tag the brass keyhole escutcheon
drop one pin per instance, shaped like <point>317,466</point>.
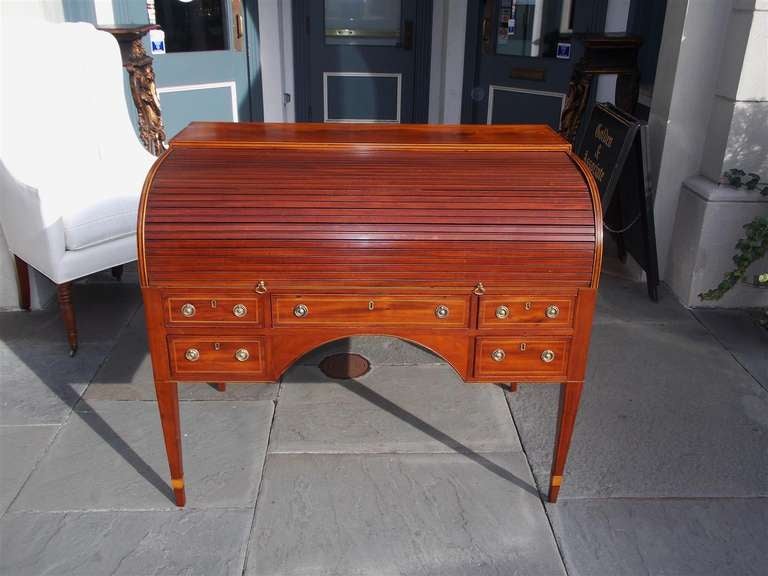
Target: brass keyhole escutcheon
<point>502,312</point>
<point>552,311</point>
<point>239,310</point>
<point>523,346</point>
<point>370,305</point>
<point>498,355</point>
<point>192,354</point>
<point>214,303</point>
<point>442,311</point>
<point>188,310</point>
<point>300,311</point>
<point>547,356</point>
<point>241,354</point>
<point>217,346</point>
<point>528,305</point>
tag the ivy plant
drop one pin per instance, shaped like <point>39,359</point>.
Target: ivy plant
<point>750,248</point>
<point>747,180</point>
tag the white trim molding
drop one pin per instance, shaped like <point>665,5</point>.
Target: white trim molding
<point>326,75</point>
<point>493,87</point>
<point>208,86</point>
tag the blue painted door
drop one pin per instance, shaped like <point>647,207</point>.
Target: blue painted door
<point>362,60</point>
<point>522,57</point>
<point>204,72</point>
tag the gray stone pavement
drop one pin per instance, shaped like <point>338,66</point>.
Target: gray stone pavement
<point>403,471</point>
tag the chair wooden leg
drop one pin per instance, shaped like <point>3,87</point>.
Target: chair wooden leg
<point>220,386</point>
<point>117,272</point>
<point>22,277</point>
<point>67,311</point>
<point>570,392</point>
<point>168,404</point>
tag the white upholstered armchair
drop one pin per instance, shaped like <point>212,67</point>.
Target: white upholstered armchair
<point>71,165</point>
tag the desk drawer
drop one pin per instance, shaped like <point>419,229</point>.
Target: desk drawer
<point>197,309</point>
<point>501,311</point>
<point>373,310</point>
<point>517,358</point>
<point>192,355</point>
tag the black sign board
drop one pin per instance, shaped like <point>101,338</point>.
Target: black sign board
<point>615,148</point>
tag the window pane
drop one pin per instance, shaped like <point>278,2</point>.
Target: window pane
<point>364,22</point>
<point>192,25</point>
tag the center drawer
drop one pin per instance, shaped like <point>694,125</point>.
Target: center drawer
<point>342,310</point>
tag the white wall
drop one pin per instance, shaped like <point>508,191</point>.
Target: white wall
<point>276,49</point>
<point>686,76</point>
<point>446,73</point>
<point>16,13</point>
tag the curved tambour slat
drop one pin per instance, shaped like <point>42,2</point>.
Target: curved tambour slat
<point>374,207</point>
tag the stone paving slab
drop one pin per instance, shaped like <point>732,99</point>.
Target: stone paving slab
<point>20,449</point>
<point>699,537</point>
<point>415,514</point>
<point>146,543</point>
<point>113,457</point>
<point>379,350</point>
<point>622,300</point>
<point>101,311</point>
<point>127,374</point>
<point>40,382</point>
<point>738,332</point>
<point>424,408</point>
<point>665,412</point>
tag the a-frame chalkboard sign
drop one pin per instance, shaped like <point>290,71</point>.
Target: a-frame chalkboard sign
<point>615,148</point>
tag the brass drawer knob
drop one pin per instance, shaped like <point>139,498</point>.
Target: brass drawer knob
<point>241,354</point>
<point>188,310</point>
<point>441,311</point>
<point>192,354</point>
<point>502,312</point>
<point>239,310</point>
<point>498,355</point>
<point>300,311</point>
<point>547,356</point>
<point>552,311</point>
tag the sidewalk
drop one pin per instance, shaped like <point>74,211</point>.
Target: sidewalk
<point>404,471</point>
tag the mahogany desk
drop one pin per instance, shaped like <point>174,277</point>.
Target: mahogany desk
<point>260,242</point>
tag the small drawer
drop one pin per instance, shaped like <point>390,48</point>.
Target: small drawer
<point>212,310</point>
<point>373,310</point>
<point>190,356</point>
<point>498,311</point>
<point>518,358</point>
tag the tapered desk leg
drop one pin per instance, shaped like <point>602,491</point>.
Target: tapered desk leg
<point>168,403</point>
<point>570,392</point>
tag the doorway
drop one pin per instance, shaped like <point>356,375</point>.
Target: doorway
<point>520,56</point>
<point>362,60</point>
<point>209,69</point>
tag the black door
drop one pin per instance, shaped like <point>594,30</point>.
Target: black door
<point>362,60</point>
<point>520,56</point>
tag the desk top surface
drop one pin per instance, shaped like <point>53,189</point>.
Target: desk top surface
<point>308,135</point>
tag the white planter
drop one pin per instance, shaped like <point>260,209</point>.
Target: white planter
<point>709,221</point>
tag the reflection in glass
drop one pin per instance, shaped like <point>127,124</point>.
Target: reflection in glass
<point>363,22</point>
<point>531,27</point>
<point>191,25</point>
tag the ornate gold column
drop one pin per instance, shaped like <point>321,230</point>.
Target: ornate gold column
<point>141,76</point>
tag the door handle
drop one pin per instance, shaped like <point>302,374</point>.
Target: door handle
<point>487,26</point>
<point>237,17</point>
<point>408,35</point>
